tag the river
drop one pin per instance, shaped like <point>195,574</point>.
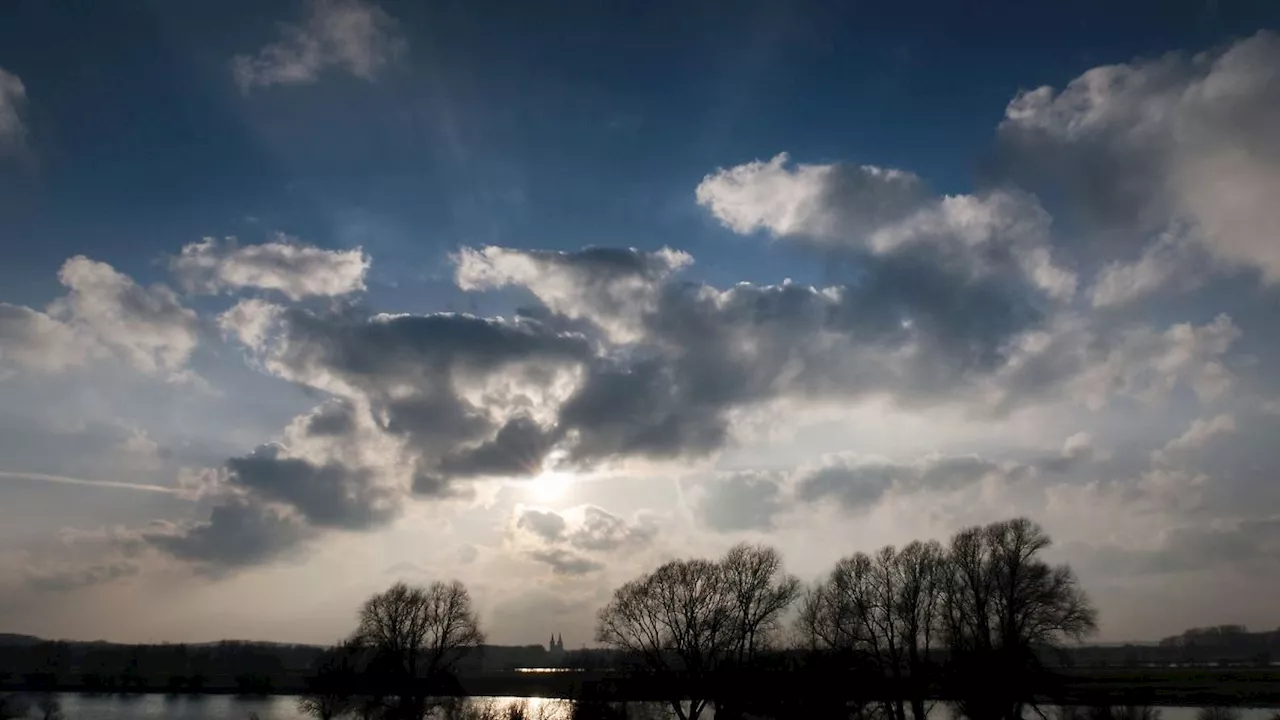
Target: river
<point>284,707</point>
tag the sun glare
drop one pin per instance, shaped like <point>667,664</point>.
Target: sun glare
<point>551,484</point>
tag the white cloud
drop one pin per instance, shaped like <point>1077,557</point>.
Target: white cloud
<point>1093,365</point>
<point>614,289</point>
<point>293,269</point>
<point>1201,431</point>
<point>1177,139</point>
<point>889,214</point>
<point>1171,262</point>
<point>796,201</point>
<point>148,327</point>
<point>34,341</point>
<point>354,35</point>
<point>13,96</point>
<point>104,313</point>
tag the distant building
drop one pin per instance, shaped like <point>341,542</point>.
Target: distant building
<point>555,650</point>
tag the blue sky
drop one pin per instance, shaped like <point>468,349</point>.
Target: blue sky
<point>999,273</point>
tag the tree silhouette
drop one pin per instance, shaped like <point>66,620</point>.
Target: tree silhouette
<point>689,619</point>
<point>881,613</point>
<point>1001,603</point>
<point>416,637</point>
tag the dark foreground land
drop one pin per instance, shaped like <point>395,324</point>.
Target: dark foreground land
<point>1253,687</point>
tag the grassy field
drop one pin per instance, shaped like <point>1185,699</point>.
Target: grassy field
<point>1176,686</point>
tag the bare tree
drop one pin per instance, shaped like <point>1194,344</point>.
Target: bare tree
<point>417,634</point>
<point>759,592</point>
<point>1001,604</point>
<point>689,619</point>
<point>880,613</point>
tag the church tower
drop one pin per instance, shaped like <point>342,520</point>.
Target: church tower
<point>555,650</point>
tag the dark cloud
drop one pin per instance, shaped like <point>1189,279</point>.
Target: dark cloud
<point>238,532</point>
<point>420,376</point>
<point>566,562</point>
<point>335,418</point>
<point>548,525</point>
<point>516,450</point>
<point>1250,546</point>
<point>854,486</point>
<point>742,501</point>
<point>328,495</point>
<point>858,483</point>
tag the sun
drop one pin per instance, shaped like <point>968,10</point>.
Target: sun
<point>550,484</point>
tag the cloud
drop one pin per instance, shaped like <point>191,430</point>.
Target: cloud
<point>327,495</point>
<point>238,532</point>
<point>462,396</point>
<point>1156,143</point>
<point>577,541</point>
<point>612,288</point>
<point>352,35</point>
<point>34,341</point>
<point>295,270</point>
<point>829,202</point>
<point>1093,363</point>
<point>104,313</point>
<point>1201,431</point>
<point>974,240</point>
<point>858,483</point>
<point>1172,262</point>
<point>67,580</point>
<point>13,98</point>
<point>739,501</point>
<point>147,326</point>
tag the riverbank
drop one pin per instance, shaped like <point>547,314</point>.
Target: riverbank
<point>1253,687</point>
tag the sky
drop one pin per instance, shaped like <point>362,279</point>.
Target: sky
<point>301,299</point>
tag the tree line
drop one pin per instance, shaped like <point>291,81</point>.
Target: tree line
<point>888,631</point>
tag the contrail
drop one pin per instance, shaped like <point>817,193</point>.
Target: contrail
<point>64,480</point>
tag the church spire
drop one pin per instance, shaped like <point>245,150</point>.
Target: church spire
<point>560,641</point>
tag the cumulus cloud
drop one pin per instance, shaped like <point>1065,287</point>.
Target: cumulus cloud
<point>352,35</point>
<point>455,395</point>
<point>327,495</point>
<point>34,341</point>
<point>13,98</point>
<point>149,327</point>
<point>104,313</point>
<point>830,202</point>
<point>613,288</point>
<point>286,266</point>
<point>576,541</point>
<point>975,240</point>
<point>1095,364</point>
<point>1155,143</point>
<point>1172,262</point>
